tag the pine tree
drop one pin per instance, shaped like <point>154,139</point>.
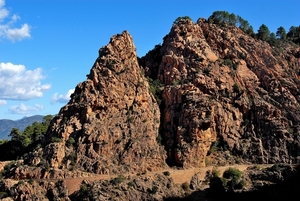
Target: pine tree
<point>263,33</point>
<point>281,33</point>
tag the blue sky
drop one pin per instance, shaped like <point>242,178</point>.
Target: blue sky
<point>48,46</point>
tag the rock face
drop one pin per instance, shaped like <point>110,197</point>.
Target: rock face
<point>33,190</point>
<point>216,96</point>
<point>226,98</point>
<point>112,117</point>
<point>228,91</point>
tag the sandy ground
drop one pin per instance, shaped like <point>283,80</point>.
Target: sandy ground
<point>178,176</point>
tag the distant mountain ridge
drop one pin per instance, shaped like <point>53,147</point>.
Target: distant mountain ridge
<point>6,124</point>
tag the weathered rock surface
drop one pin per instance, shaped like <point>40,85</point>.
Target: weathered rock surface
<point>112,116</point>
<point>222,91</point>
<point>224,87</point>
<point>34,190</point>
<point>226,98</point>
<point>156,187</point>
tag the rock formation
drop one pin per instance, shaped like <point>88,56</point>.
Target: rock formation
<point>221,90</point>
<point>224,87</point>
<point>33,190</point>
<point>112,117</point>
<point>214,95</point>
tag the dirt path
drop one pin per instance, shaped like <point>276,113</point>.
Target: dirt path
<point>178,176</point>
<point>73,184</point>
<point>181,176</point>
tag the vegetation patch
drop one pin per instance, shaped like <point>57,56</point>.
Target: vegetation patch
<point>56,139</point>
<point>230,180</point>
<point>185,186</point>
<point>3,194</point>
<point>179,20</point>
<point>156,88</point>
<point>118,180</point>
<point>166,173</point>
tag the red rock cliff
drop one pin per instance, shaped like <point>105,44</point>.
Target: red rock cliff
<point>227,98</point>
<point>112,116</point>
<point>226,91</point>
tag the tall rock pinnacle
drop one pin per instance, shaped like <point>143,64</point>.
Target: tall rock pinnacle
<point>112,117</point>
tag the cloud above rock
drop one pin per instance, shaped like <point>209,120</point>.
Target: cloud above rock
<point>62,98</point>
<point>18,83</point>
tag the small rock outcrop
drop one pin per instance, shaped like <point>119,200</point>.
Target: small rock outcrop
<point>33,190</point>
<point>111,122</point>
<point>156,187</point>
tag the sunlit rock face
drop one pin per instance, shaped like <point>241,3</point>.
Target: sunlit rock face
<point>112,116</point>
<point>226,91</point>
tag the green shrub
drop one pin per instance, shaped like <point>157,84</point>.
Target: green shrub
<point>175,82</point>
<point>228,62</point>
<point>215,172</point>
<point>72,157</point>
<point>131,183</point>
<point>118,180</point>
<point>232,173</point>
<point>233,176</point>
<point>185,186</point>
<point>3,194</point>
<point>31,181</point>
<point>182,19</point>
<point>43,163</point>
<point>9,166</point>
<point>156,88</point>
<point>70,142</point>
<point>207,162</point>
<point>214,147</point>
<point>56,139</point>
<point>166,173</point>
<point>236,88</point>
<point>154,189</point>
<point>83,189</point>
<point>130,119</point>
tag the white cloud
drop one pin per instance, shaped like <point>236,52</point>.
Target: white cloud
<point>17,83</point>
<point>3,102</point>
<point>2,2</point>
<point>63,98</point>
<point>3,12</point>
<point>7,28</point>
<point>25,109</point>
<point>18,34</point>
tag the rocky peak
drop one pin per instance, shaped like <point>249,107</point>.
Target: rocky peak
<point>226,98</point>
<point>225,90</point>
<point>112,118</point>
